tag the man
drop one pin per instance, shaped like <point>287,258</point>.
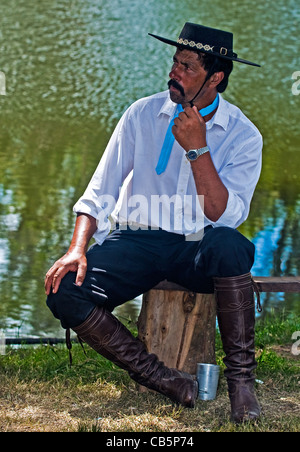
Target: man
<point>168,152</point>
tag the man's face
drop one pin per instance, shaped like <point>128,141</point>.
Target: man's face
<point>187,75</point>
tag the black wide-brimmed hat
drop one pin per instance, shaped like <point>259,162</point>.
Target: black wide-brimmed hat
<point>208,40</point>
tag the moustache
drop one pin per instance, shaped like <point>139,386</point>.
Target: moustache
<point>176,85</point>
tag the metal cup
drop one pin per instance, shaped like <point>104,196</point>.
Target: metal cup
<point>208,379</point>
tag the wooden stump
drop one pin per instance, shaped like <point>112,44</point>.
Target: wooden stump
<point>179,327</point>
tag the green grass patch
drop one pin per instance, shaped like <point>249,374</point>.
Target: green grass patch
<point>40,391</point>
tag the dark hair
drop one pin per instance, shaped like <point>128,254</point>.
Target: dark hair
<point>215,64</point>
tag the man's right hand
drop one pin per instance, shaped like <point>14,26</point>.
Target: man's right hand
<point>72,261</point>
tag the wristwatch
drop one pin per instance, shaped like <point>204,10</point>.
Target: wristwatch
<point>193,154</point>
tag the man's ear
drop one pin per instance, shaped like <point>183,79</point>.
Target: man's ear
<point>215,79</point>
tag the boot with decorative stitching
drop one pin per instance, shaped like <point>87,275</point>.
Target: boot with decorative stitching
<point>110,338</point>
<point>236,318</point>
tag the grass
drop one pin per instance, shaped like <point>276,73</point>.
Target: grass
<point>39,392</point>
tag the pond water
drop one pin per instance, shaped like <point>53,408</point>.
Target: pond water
<point>70,68</point>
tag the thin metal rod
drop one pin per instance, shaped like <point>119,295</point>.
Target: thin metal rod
<point>35,340</point>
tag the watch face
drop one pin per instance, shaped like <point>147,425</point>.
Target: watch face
<point>192,155</point>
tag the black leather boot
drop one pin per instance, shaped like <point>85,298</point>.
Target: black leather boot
<point>236,317</point>
<point>110,338</point>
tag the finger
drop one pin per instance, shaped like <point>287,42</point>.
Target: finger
<point>191,112</point>
<point>81,272</point>
<point>49,278</point>
<point>183,115</point>
<point>176,121</point>
<point>188,111</point>
<point>196,112</point>
<point>180,119</point>
<point>48,283</point>
<point>48,287</point>
<point>58,276</point>
<point>174,130</point>
<point>56,283</point>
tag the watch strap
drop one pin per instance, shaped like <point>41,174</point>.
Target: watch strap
<point>199,152</point>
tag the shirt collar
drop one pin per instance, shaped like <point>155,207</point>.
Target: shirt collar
<point>168,106</point>
<point>221,117</point>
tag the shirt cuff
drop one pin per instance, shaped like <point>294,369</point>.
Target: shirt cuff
<point>234,214</point>
<point>90,209</point>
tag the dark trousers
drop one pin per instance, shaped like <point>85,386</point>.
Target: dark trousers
<point>130,263</point>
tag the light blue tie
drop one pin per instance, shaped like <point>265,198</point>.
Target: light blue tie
<point>169,138</point>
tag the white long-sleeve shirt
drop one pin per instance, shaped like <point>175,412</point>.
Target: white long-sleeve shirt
<point>126,186</point>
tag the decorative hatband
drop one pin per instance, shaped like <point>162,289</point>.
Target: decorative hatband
<point>206,47</point>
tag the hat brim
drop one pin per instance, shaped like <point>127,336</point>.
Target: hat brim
<point>176,44</point>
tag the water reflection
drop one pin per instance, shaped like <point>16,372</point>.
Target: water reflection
<point>71,68</point>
